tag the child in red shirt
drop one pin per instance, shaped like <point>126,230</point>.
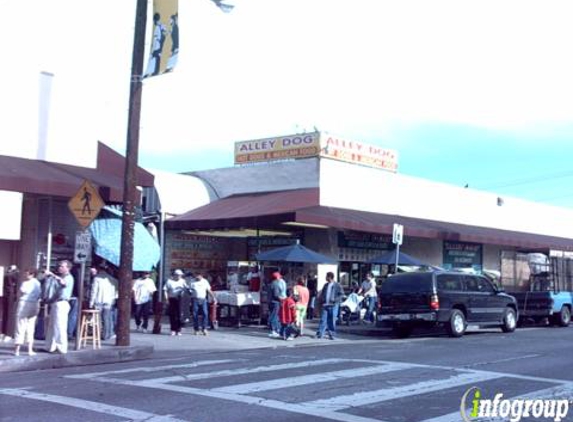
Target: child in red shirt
<point>287,316</point>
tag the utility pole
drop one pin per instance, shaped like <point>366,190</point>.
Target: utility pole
<point>130,179</point>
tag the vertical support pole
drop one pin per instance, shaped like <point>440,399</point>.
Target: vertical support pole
<point>130,179</point>
<point>80,301</point>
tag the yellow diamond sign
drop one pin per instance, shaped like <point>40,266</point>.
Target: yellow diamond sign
<point>86,204</point>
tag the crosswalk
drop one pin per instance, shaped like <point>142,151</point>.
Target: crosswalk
<point>324,388</point>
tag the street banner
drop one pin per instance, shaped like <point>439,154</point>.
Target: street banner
<point>164,45</point>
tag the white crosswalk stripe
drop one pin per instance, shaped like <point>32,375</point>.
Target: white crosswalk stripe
<point>310,379</point>
<point>321,375</point>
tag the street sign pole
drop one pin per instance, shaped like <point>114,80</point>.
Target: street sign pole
<point>397,236</point>
<point>81,252</point>
<point>80,297</point>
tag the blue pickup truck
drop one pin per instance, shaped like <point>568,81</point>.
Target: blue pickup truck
<point>546,294</point>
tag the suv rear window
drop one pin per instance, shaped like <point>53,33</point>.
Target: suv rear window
<point>403,283</point>
<point>449,282</point>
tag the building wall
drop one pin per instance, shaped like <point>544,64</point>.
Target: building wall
<point>357,187</point>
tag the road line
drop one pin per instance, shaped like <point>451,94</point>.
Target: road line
<point>279,383</point>
<point>376,396</point>
<point>151,369</point>
<point>130,414</point>
<point>564,391</point>
<point>252,400</point>
<point>242,371</point>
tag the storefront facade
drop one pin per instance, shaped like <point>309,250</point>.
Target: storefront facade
<point>346,210</point>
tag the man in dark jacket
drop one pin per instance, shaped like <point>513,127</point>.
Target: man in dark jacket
<point>330,298</point>
<point>277,293</point>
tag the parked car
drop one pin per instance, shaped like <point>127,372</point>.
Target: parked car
<point>448,299</point>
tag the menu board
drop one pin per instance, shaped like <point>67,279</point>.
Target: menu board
<point>192,252</point>
<point>462,255</point>
<point>360,240</point>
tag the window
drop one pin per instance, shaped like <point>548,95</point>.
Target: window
<point>448,282</point>
<point>478,284</point>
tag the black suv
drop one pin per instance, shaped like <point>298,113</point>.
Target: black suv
<point>449,299</point>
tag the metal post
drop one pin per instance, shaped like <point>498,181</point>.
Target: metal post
<point>130,179</point>
<point>397,258</point>
<point>80,301</point>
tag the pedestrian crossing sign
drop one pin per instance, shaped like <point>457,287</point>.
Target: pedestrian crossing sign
<point>86,204</point>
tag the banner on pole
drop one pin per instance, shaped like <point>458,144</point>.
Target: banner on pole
<point>164,47</point>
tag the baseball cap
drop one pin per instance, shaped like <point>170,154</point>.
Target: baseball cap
<point>277,275</point>
<point>178,272</point>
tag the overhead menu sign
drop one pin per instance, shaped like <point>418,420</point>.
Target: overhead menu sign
<point>278,148</point>
<point>315,144</point>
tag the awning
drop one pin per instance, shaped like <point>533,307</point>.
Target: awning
<point>106,231</point>
<point>302,206</point>
<point>48,178</point>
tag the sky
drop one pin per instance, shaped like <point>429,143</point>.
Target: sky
<point>468,93</point>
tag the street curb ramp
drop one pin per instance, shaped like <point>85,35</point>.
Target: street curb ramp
<point>84,357</point>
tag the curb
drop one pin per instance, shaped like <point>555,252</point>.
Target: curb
<point>113,354</point>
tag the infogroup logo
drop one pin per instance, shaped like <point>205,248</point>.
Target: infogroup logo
<point>474,407</point>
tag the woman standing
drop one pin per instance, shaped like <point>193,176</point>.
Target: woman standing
<point>27,312</point>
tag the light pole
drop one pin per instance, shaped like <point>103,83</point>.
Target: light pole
<point>130,178</point>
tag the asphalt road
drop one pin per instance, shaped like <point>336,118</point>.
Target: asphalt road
<point>418,379</point>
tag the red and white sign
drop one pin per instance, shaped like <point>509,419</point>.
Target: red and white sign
<point>358,152</point>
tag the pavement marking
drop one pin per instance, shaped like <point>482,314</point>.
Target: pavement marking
<point>151,369</point>
<point>279,383</point>
<point>130,414</point>
<point>241,371</point>
<point>384,394</point>
<point>564,391</point>
<point>258,401</point>
<point>330,408</point>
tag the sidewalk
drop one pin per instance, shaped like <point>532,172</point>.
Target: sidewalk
<point>143,346</point>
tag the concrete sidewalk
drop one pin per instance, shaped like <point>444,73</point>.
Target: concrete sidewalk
<point>144,346</point>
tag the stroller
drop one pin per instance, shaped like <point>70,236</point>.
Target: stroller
<point>351,309</point>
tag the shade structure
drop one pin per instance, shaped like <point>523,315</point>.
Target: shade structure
<point>295,253</point>
<point>106,231</point>
<point>389,258</point>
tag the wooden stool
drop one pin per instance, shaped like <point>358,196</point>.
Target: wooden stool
<point>90,319</point>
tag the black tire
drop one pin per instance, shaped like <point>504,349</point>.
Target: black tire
<point>456,326</point>
<point>401,330</point>
<point>509,321</point>
<point>563,318</point>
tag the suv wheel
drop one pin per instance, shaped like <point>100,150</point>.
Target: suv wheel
<point>457,325</point>
<point>509,321</point>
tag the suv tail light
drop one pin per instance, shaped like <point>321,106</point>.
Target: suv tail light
<point>434,302</point>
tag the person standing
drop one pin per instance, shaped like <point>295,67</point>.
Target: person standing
<point>173,290</point>
<point>143,289</point>
<point>62,285</point>
<point>287,316</point>
<point>311,284</point>
<point>200,292</point>
<point>301,295</point>
<point>330,297</point>
<point>277,293</point>
<point>27,312</point>
<point>368,290</point>
<point>102,297</point>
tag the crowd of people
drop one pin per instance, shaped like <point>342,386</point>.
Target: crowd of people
<point>288,307</point>
<point>46,306</point>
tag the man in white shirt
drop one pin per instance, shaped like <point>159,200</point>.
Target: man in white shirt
<point>200,290</point>
<point>368,290</point>
<point>103,296</point>
<point>173,290</point>
<point>143,289</point>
